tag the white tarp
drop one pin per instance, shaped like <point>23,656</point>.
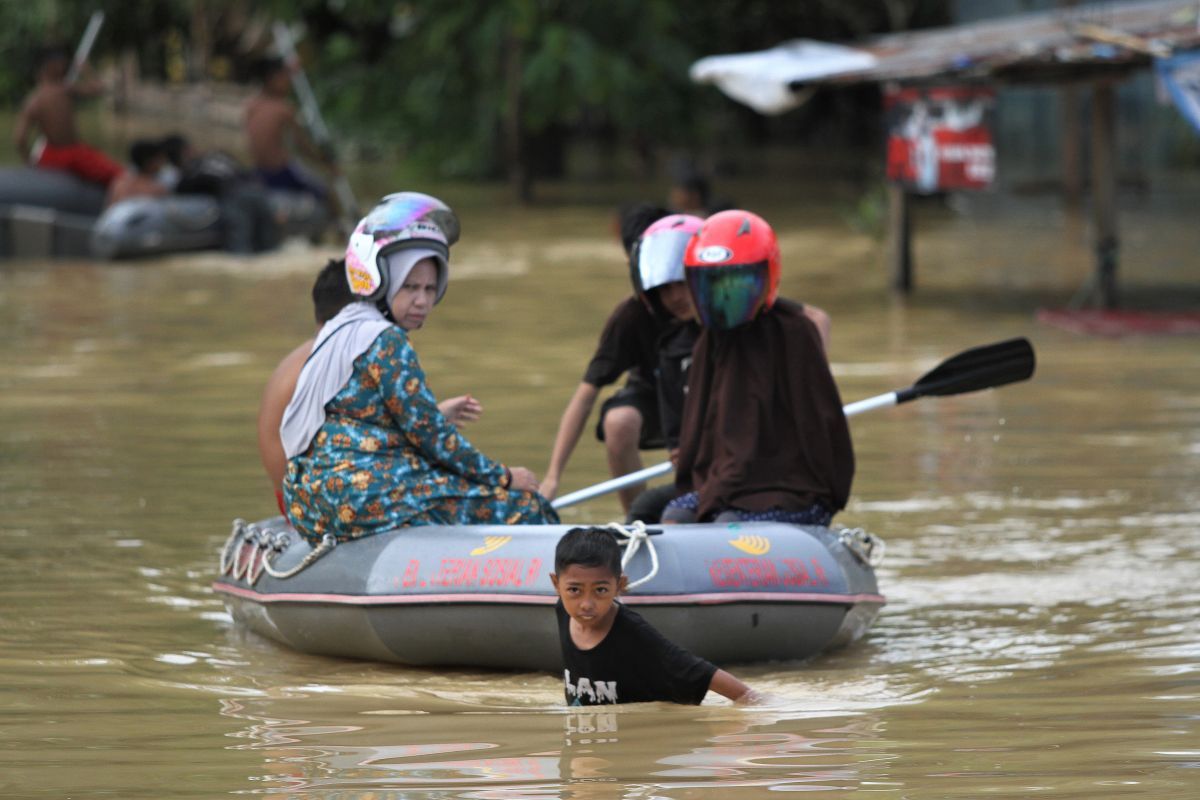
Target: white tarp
<point>763,79</point>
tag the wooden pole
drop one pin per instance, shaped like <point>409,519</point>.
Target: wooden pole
<point>1104,191</point>
<point>1070,141</point>
<point>899,248</point>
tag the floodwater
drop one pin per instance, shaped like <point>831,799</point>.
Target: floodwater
<point>1041,638</point>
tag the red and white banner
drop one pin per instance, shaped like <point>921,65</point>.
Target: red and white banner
<point>940,138</point>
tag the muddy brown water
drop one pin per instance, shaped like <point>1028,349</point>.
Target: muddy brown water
<point>1040,640</point>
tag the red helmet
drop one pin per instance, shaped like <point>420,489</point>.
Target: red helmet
<point>732,268</point>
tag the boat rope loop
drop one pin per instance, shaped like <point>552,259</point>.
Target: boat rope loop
<point>634,536</point>
<point>866,547</point>
<point>249,551</point>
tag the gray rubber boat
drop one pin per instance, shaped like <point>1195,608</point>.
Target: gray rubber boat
<point>47,213</point>
<point>481,595</point>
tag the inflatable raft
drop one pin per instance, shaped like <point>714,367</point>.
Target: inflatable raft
<point>481,596</point>
<point>48,213</point>
<point>144,226</point>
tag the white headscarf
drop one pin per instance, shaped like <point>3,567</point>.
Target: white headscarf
<point>340,341</point>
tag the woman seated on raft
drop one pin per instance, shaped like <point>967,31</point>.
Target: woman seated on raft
<point>368,450</point>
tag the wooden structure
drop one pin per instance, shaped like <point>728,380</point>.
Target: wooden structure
<point>1097,46</point>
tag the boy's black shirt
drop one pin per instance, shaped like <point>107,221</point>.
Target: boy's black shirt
<point>633,664</point>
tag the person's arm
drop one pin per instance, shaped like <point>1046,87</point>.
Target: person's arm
<point>725,684</point>
<point>21,130</point>
<point>461,410</point>
<point>416,414</point>
<point>305,144</point>
<point>570,428</point>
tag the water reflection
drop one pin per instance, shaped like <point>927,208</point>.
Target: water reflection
<point>632,751</point>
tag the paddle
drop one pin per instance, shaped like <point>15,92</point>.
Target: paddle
<point>315,122</point>
<point>984,367</point>
<point>80,58</point>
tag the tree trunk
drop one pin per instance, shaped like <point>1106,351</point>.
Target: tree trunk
<point>519,175</point>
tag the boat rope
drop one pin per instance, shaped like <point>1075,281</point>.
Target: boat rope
<point>866,547</point>
<point>635,536</point>
<point>249,551</point>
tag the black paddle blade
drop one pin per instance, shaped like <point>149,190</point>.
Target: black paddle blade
<point>978,368</point>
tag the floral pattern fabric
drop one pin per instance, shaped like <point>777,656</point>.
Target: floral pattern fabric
<point>386,457</point>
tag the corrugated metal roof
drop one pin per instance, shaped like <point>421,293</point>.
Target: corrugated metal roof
<point>1069,44</point>
<point>1081,42</point>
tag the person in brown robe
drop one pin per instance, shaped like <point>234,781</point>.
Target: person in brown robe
<point>763,434</point>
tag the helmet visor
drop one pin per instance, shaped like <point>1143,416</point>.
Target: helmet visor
<point>660,258</point>
<point>404,209</point>
<point>729,296</point>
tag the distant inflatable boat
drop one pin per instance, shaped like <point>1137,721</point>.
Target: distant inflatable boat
<point>480,596</point>
<point>48,213</point>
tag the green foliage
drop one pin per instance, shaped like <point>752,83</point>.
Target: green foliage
<point>469,86</point>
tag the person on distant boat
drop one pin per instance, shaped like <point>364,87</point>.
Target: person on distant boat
<point>50,110</point>
<point>330,294</point>
<point>248,223</point>
<point>148,159</point>
<point>763,434</point>
<point>368,448</point>
<point>272,130</point>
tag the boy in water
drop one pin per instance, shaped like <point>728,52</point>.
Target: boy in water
<point>611,654</point>
<point>50,109</point>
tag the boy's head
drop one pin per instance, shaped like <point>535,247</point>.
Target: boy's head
<point>273,75</point>
<point>147,156</point>
<point>330,291</point>
<point>690,192</point>
<point>177,149</point>
<point>587,574</point>
<point>633,220</point>
<point>588,547</point>
<point>53,63</point>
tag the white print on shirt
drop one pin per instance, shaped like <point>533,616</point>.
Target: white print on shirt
<point>600,692</point>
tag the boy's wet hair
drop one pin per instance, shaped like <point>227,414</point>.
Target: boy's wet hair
<point>330,291</point>
<point>174,145</point>
<point>695,183</point>
<point>144,151</point>
<point>267,66</point>
<point>635,218</point>
<point>588,547</point>
<point>50,53</point>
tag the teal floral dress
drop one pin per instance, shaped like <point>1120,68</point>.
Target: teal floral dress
<point>386,458</point>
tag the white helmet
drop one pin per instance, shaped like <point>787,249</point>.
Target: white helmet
<point>401,221</point>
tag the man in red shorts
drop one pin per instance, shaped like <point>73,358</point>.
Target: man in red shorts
<point>50,109</point>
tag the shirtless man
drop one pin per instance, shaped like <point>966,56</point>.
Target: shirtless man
<point>50,110</point>
<point>270,123</point>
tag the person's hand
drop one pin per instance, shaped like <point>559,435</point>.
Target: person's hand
<point>523,480</point>
<point>549,487</point>
<point>673,455</point>
<point>461,410</point>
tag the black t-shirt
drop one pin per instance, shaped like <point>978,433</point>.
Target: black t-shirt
<point>633,664</point>
<point>628,343</point>
<point>674,358</point>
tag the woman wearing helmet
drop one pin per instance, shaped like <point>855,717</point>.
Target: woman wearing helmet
<point>763,434</point>
<point>368,448</point>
